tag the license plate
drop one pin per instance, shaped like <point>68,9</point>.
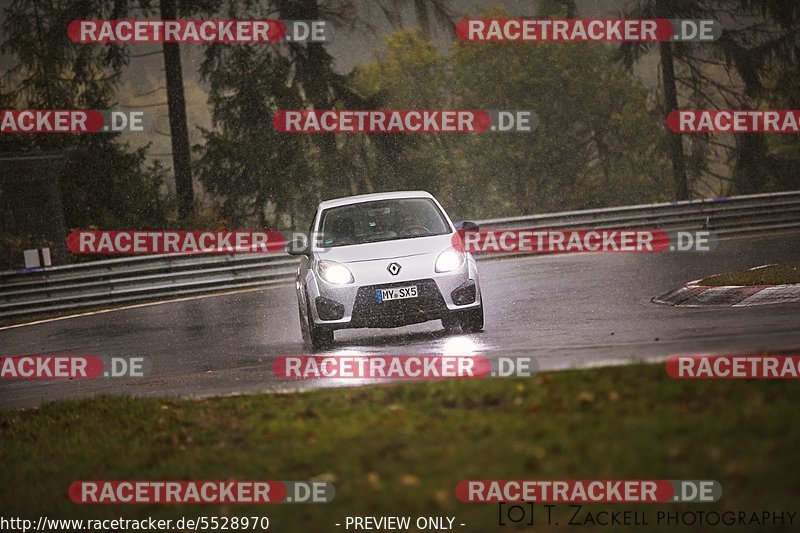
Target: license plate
<point>398,293</point>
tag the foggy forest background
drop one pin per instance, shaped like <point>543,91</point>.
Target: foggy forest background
<point>601,140</point>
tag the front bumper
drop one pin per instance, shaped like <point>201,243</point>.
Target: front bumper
<point>356,306</point>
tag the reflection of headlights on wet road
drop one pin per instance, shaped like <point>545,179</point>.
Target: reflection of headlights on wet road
<point>459,345</point>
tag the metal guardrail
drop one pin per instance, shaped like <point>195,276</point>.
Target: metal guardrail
<point>130,280</point>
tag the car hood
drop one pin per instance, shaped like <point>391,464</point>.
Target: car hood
<point>395,249</point>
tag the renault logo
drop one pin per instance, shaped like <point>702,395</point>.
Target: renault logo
<point>394,268</point>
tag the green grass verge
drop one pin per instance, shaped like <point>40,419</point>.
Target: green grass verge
<point>782,274</point>
<point>402,449</point>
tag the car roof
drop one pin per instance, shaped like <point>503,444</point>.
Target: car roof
<point>346,200</point>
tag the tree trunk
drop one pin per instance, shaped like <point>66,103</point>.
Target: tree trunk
<point>179,131</point>
<point>675,139</point>
<point>421,11</point>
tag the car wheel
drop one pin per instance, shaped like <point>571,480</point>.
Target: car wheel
<point>304,330</point>
<point>472,320</point>
<point>319,337</point>
<point>451,323</point>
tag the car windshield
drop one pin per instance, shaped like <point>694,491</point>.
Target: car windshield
<point>382,220</point>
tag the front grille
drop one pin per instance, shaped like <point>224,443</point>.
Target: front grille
<point>428,305</point>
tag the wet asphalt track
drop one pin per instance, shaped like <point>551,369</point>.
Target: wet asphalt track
<point>566,310</point>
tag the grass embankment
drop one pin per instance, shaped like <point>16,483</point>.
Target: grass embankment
<point>400,450</point>
<point>781,274</point>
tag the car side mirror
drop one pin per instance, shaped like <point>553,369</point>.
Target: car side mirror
<point>294,247</point>
<point>468,226</point>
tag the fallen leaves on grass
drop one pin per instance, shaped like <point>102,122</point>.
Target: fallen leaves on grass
<point>409,480</point>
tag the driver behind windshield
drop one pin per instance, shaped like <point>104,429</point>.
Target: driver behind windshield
<point>382,221</point>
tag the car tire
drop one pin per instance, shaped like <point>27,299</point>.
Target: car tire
<point>318,337</point>
<point>321,337</point>
<point>472,320</point>
<point>304,329</point>
<point>451,323</point>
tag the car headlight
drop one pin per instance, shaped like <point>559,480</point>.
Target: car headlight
<point>334,273</point>
<point>449,260</point>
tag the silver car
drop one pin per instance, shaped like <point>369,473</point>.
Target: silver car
<point>385,260</point>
